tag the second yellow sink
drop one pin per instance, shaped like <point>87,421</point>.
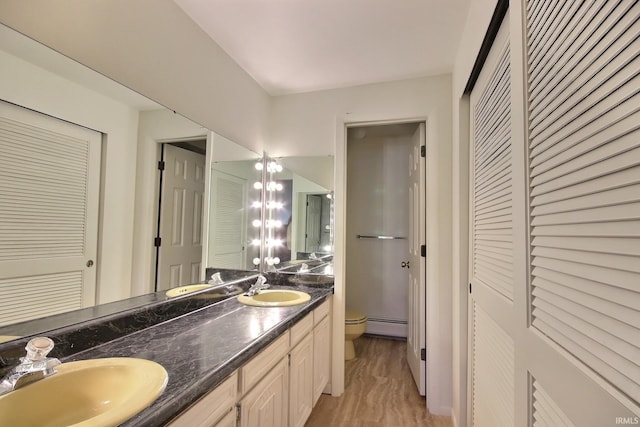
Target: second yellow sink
<point>275,298</point>
<point>87,393</point>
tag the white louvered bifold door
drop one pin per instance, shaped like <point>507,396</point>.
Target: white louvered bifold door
<point>491,342</point>
<point>583,72</point>
<point>228,226</point>
<point>49,195</point>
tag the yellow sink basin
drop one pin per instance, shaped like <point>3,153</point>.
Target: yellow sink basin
<point>87,393</point>
<point>275,298</point>
<point>182,290</point>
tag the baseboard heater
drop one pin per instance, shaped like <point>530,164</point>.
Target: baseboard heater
<point>387,327</point>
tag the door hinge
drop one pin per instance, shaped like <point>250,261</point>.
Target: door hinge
<point>423,354</point>
<point>469,287</point>
<point>161,165</point>
<point>157,242</point>
<point>423,151</point>
<point>423,251</point>
<point>238,412</point>
<point>289,359</point>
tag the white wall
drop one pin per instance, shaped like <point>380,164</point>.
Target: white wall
<point>32,87</point>
<point>314,124</point>
<point>478,18</point>
<point>152,47</point>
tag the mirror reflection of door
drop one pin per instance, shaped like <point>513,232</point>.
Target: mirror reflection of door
<point>180,223</point>
<point>227,220</point>
<point>314,220</point>
<point>49,187</point>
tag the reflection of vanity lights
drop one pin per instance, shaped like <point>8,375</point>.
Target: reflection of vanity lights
<point>256,242</point>
<point>272,261</point>
<point>329,196</point>
<point>326,248</point>
<point>273,223</point>
<point>259,166</point>
<point>274,186</point>
<point>274,205</point>
<point>274,242</point>
<point>256,204</point>
<point>256,223</point>
<point>274,167</point>
<point>257,185</point>
<point>256,261</point>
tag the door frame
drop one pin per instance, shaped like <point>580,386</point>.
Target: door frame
<point>339,297</point>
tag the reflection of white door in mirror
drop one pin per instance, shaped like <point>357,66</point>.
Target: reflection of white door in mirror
<point>49,187</point>
<point>227,221</point>
<point>313,232</point>
<point>180,252</point>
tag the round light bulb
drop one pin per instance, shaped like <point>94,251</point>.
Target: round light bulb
<point>256,223</point>
<point>256,204</point>
<point>257,185</point>
<point>259,166</point>
<point>256,261</point>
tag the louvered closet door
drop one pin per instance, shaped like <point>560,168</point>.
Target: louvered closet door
<point>49,192</point>
<point>228,223</point>
<point>583,72</point>
<point>491,345</point>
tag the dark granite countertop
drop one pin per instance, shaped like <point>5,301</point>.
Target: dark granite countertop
<point>200,349</point>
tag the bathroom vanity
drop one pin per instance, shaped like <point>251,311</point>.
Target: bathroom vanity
<point>223,359</point>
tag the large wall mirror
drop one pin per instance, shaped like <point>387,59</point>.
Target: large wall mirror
<point>299,209</point>
<point>133,133</point>
<point>228,218</point>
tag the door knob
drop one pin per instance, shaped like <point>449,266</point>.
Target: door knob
<point>90,263</point>
<point>405,264</point>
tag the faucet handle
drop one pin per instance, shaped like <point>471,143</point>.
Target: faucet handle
<point>261,281</point>
<point>38,348</point>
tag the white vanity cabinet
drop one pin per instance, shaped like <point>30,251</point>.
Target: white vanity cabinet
<point>301,372</point>
<point>214,409</point>
<point>321,349</point>
<point>267,403</point>
<point>278,387</point>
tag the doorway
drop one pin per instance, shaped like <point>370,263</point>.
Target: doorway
<point>385,229</point>
<point>178,240</point>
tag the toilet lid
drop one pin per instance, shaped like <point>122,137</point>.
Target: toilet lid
<point>353,316</point>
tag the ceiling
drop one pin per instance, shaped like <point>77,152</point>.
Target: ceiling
<point>292,46</point>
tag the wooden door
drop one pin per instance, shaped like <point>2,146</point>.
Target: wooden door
<point>180,252</point>
<point>416,319</point>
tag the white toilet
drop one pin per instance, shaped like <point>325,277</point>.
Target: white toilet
<point>355,325</point>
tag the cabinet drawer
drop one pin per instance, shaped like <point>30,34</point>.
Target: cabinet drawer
<point>322,311</point>
<point>301,329</point>
<point>261,363</point>
<point>212,407</point>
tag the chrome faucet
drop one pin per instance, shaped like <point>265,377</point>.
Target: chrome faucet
<point>33,367</point>
<point>303,268</point>
<point>216,279</point>
<point>260,284</point>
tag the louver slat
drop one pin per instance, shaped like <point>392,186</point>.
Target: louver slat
<point>584,147</point>
<point>492,182</point>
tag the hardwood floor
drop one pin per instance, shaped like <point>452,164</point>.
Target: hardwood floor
<point>379,392</point>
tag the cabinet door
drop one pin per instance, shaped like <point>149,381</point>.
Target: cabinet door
<point>228,421</point>
<point>266,404</point>
<point>301,382</point>
<point>321,357</point>
<point>207,411</point>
